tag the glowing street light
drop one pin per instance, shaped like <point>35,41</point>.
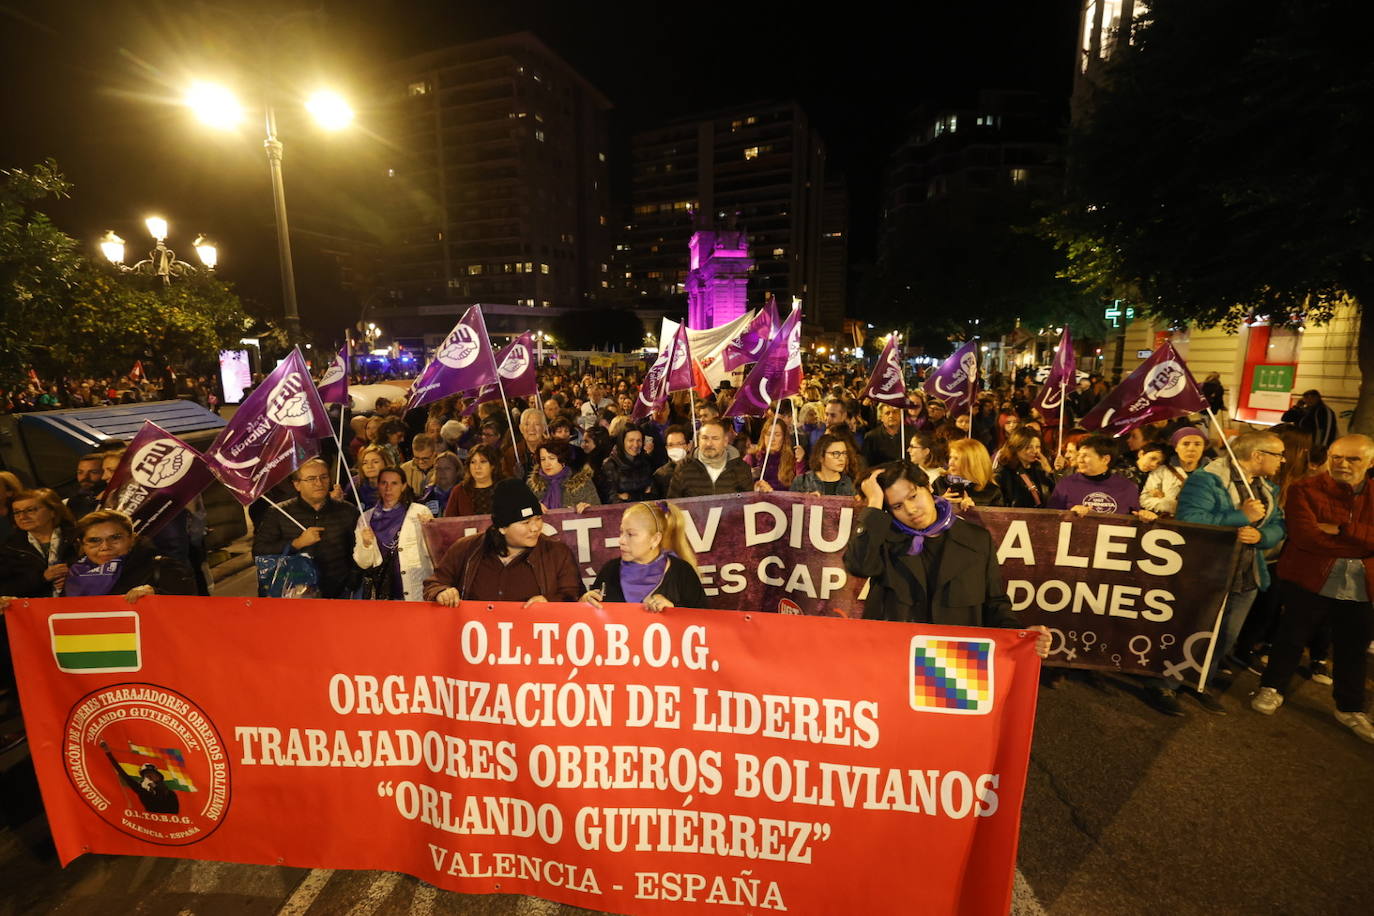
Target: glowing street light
<point>217,106</point>
<point>161,261</point>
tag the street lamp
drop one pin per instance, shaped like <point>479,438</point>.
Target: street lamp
<point>218,107</point>
<point>161,261</point>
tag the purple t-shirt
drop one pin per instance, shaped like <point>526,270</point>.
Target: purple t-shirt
<point>1114,496</point>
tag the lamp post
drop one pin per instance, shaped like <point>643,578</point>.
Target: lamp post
<point>161,261</point>
<point>217,106</point>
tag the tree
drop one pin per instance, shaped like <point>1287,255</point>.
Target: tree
<point>1223,172</point>
<point>63,315</point>
<point>971,266</point>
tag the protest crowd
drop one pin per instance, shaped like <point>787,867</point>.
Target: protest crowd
<point>350,524</point>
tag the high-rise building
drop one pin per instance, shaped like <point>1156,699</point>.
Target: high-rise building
<point>498,191</point>
<point>833,271</point>
<point>1103,26</point>
<point>759,169</point>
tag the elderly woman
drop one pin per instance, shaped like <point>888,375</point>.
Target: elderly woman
<point>627,474</point>
<point>472,495</point>
<point>113,561</point>
<point>35,557</point>
<point>389,547</point>
<point>556,484</point>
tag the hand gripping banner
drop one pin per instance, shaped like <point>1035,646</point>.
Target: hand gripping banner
<point>684,762</point>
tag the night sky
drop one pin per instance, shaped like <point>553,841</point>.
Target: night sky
<point>94,85</point>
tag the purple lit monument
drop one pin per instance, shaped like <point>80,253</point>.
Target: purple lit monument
<point>718,280</point>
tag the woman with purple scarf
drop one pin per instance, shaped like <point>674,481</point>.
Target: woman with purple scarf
<point>657,567</point>
<point>924,563</point>
<point>116,562</point>
<point>556,484</point>
<point>389,548</point>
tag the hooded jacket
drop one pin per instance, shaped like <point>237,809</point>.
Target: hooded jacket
<point>1212,496</point>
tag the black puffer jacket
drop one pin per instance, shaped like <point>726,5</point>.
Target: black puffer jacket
<point>621,473</point>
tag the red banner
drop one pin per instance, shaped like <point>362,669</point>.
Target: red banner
<point>614,759</point>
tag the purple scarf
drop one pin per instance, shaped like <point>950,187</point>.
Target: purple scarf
<point>944,519</point>
<point>386,524</point>
<point>553,499</point>
<point>84,578</point>
<point>638,580</point>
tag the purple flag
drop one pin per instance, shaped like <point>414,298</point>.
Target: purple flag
<point>485,394</point>
<point>519,374</point>
<point>463,362</point>
<point>333,384</point>
<point>954,381</point>
<point>1160,388</point>
<point>274,430</point>
<point>680,362</point>
<point>1062,378</point>
<point>158,476</point>
<point>749,346</point>
<point>887,385</point>
<point>775,376</point>
<point>672,371</point>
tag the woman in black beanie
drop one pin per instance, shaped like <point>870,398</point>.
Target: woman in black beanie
<point>513,560</point>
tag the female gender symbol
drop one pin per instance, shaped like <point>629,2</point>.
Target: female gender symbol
<point>1088,643</point>
<point>1142,655</point>
<point>1166,640</point>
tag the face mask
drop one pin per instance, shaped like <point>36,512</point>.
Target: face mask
<point>677,454</point>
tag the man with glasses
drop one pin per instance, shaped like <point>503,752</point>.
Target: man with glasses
<point>328,526</point>
<point>419,470</point>
<point>1324,574</point>
<point>1234,494</point>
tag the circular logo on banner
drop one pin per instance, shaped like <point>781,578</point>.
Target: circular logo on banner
<point>149,762</point>
<point>1165,380</point>
<point>461,348</point>
<point>679,357</point>
<point>1100,502</point>
<point>160,463</point>
<point>287,405</point>
<point>969,363</point>
<point>516,362</point>
<point>332,374</point>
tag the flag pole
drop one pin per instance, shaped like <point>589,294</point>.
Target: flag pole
<point>796,428</point>
<point>1234,462</point>
<point>692,398</point>
<point>274,505</point>
<point>1063,405</point>
<point>515,449</point>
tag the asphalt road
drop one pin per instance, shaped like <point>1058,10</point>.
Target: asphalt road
<point>1126,811</point>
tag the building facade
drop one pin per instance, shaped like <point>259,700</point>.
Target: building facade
<point>759,169</point>
<point>498,190</point>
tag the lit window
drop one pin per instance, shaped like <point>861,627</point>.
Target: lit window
<point>538,117</point>
<point>602,220</point>
<point>474,269</point>
<point>537,77</point>
<point>603,268</point>
<point>529,302</point>
<point>419,87</point>
<point>390,173</point>
<point>834,235</point>
<point>1019,176</point>
<point>778,253</point>
<point>545,303</point>
<point>539,135</point>
<point>601,157</point>
<point>605,285</point>
<point>628,275</point>
<point>543,268</point>
<point>751,120</point>
<point>751,152</point>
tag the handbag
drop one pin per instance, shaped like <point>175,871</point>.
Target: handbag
<point>287,575</point>
<point>379,581</point>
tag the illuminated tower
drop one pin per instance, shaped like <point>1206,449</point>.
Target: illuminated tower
<point>718,280</point>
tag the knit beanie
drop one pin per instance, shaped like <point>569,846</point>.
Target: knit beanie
<point>513,501</point>
<point>1183,433</point>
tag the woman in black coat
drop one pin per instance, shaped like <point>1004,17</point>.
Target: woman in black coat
<point>657,566</point>
<point>35,556</point>
<point>627,474</point>
<point>1023,475</point>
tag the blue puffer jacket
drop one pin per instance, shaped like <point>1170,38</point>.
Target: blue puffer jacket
<point>1210,497</point>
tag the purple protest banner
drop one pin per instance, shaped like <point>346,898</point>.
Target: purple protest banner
<point>274,430</point>
<point>750,345</point>
<point>333,386</point>
<point>1116,593</point>
<point>463,362</point>
<point>157,477</point>
<point>671,371</point>
<point>515,362</point>
<point>1062,378</point>
<point>1160,388</point>
<point>887,385</point>
<point>485,394</point>
<point>954,381</point>
<point>775,376</point>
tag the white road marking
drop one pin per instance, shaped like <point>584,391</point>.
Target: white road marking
<point>1023,899</point>
<point>306,892</point>
<point>377,891</point>
<point>422,904</point>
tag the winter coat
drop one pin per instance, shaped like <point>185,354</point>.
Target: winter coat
<point>810,482</point>
<point>692,479</point>
<point>681,584</point>
<point>968,591</point>
<point>1169,479</point>
<point>1017,494</point>
<point>578,487</point>
<point>555,572</point>
<point>416,565</point>
<point>621,473</point>
<point>1211,497</point>
<point>22,567</point>
<point>1311,553</point>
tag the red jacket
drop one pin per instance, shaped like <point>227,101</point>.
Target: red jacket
<point>1309,554</point>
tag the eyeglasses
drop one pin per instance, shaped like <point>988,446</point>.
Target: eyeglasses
<point>31,510</point>
<point>837,454</point>
<point>318,478</point>
<point>1265,451</point>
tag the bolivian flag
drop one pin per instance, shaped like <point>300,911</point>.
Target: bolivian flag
<point>96,643</point>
